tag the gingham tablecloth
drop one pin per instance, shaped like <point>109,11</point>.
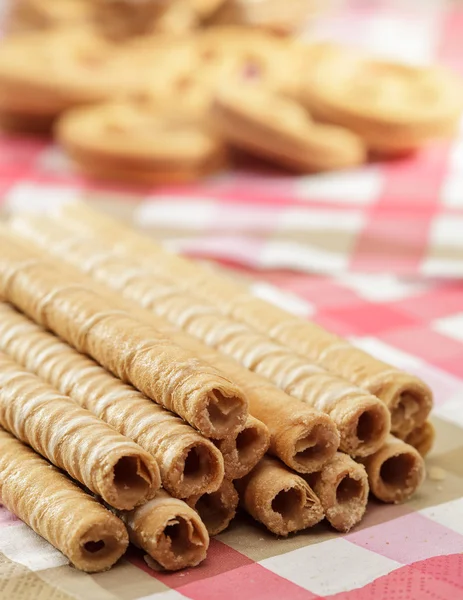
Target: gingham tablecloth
<point>375,255</point>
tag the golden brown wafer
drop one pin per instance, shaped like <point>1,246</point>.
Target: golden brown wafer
<point>302,437</point>
<point>395,472</point>
<point>408,398</point>
<point>278,498</point>
<point>57,509</point>
<point>253,119</point>
<point>216,509</point>
<point>135,353</point>
<point>342,488</point>
<point>73,439</point>
<point>422,438</point>
<point>138,142</point>
<point>169,531</point>
<point>394,107</point>
<point>362,419</point>
<point>189,463</point>
<point>241,454</point>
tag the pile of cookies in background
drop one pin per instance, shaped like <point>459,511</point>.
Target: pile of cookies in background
<point>166,395</point>
<point>169,90</point>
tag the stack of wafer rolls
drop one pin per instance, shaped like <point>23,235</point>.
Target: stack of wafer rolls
<point>90,536</point>
<point>138,354</point>
<point>408,398</point>
<point>362,420</point>
<point>301,436</point>
<point>130,335</point>
<point>189,463</point>
<point>73,439</point>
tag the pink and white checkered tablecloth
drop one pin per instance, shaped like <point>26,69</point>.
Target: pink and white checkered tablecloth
<point>374,254</point>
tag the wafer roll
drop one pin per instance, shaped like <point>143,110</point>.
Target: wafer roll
<point>216,509</point>
<point>278,498</point>
<point>132,351</point>
<point>241,454</point>
<point>362,420</point>
<point>108,463</point>
<point>57,509</point>
<point>408,398</point>
<point>189,463</point>
<point>169,530</point>
<point>395,472</point>
<point>422,438</point>
<point>302,437</point>
<point>342,488</point>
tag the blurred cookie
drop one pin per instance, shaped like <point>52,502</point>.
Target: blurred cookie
<point>238,55</point>
<point>122,19</point>
<point>205,9</point>
<point>30,15</point>
<point>179,18</point>
<point>45,73</point>
<point>280,130</point>
<point>394,107</point>
<point>138,143</point>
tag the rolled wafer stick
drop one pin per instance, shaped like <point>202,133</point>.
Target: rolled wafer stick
<point>169,530</point>
<point>189,463</point>
<point>408,398</point>
<point>301,436</point>
<point>395,472</point>
<point>241,454</point>
<point>278,498</point>
<point>106,462</point>
<point>422,438</point>
<point>216,509</point>
<point>122,344</point>
<point>362,420</point>
<point>57,509</point>
<point>342,488</point>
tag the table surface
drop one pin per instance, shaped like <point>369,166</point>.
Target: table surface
<point>376,255</point>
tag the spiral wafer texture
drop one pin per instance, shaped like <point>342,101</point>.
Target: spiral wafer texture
<point>74,440</point>
<point>128,348</point>
<point>362,420</point>
<point>303,437</point>
<point>57,509</point>
<point>189,463</point>
<point>408,398</point>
